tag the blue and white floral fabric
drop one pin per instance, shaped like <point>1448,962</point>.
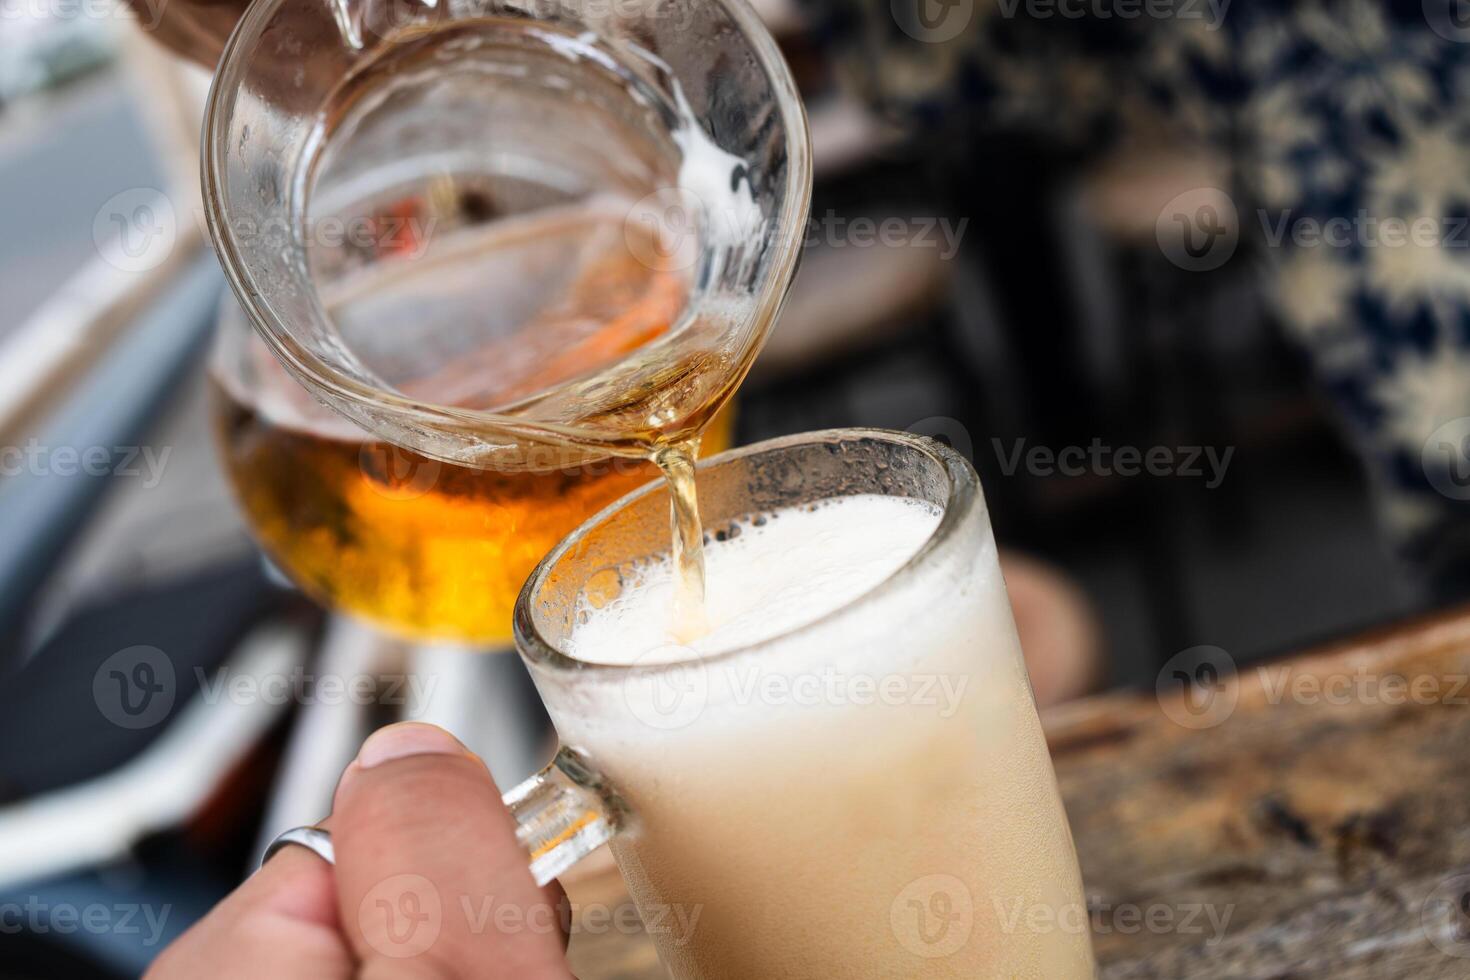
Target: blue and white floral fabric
<point>1345,128</point>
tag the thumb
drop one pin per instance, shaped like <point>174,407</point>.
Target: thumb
<point>431,881</point>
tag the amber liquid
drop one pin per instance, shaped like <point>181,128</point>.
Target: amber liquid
<point>430,549</point>
<point>422,548</point>
<point>689,619</point>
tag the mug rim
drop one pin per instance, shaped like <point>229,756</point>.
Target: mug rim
<point>961,495</point>
<point>314,372</point>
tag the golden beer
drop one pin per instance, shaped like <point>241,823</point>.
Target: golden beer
<point>423,548</point>
<point>429,549</point>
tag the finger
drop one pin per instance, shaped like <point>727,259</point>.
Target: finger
<point>282,922</point>
<point>431,881</point>
<point>1060,634</point>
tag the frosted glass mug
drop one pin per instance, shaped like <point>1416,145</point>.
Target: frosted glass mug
<point>866,796</point>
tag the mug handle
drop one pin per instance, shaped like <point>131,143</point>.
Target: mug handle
<point>563,813</point>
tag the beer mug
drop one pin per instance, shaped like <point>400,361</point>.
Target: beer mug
<point>900,818</point>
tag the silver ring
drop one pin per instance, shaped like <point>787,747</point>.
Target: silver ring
<point>314,839</point>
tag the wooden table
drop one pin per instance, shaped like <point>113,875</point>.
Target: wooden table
<point>1309,819</point>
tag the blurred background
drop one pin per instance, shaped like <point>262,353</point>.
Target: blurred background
<point>1079,250</point>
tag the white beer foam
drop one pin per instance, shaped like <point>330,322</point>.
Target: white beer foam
<point>765,576</point>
